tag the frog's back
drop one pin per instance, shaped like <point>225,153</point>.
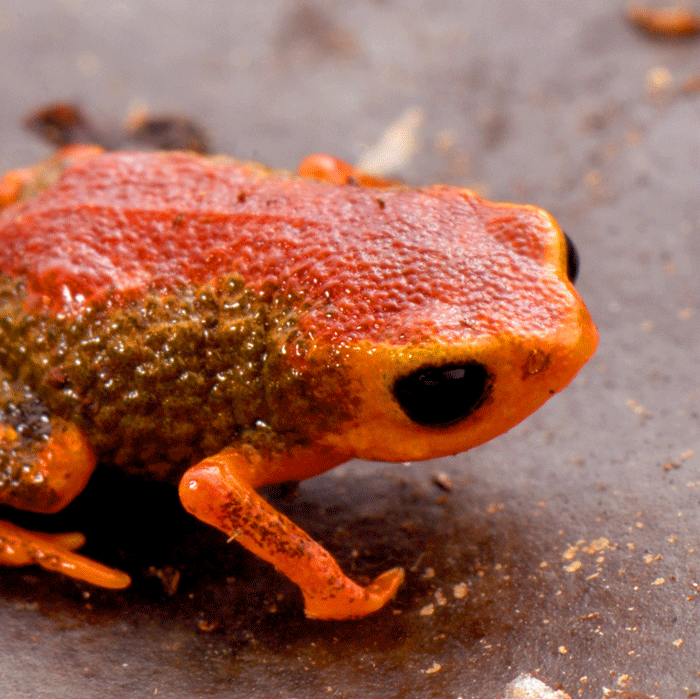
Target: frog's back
<point>388,263</point>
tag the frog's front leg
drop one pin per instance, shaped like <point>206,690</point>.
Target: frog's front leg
<point>42,468</point>
<point>220,491</point>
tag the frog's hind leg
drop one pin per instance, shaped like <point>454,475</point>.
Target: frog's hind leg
<point>219,491</point>
<point>44,464</point>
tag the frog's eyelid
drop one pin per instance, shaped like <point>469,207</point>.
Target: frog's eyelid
<point>440,396</point>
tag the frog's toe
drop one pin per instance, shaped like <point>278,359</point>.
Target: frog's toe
<point>67,540</point>
<point>348,600</point>
<point>19,547</point>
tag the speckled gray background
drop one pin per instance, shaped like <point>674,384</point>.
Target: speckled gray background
<point>577,534</point>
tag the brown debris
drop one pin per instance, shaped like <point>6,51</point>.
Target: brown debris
<point>442,480</point>
<point>664,21</point>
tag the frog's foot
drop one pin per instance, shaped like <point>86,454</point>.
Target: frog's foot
<point>344,599</point>
<point>43,475</point>
<point>327,168</point>
<point>19,547</point>
<point>218,491</point>
<point>44,464</point>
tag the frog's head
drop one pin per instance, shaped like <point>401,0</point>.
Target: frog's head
<point>488,329</point>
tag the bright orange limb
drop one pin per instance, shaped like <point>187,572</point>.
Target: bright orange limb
<point>47,476</point>
<point>53,472</point>
<point>19,547</point>
<point>327,168</point>
<point>215,492</point>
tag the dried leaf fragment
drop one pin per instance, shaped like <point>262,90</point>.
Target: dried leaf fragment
<point>442,480</point>
<point>396,146</point>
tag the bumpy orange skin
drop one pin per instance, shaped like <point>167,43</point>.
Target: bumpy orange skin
<point>395,265</point>
<point>370,280</point>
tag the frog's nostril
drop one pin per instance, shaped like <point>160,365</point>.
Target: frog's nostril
<point>572,263</point>
<point>440,396</point>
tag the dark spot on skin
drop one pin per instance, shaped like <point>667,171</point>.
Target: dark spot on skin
<point>56,378</point>
<point>28,418</point>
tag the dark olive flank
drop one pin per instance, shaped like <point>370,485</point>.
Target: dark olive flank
<point>24,414</point>
<point>165,381</point>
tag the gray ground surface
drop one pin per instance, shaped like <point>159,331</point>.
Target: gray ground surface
<point>577,534</point>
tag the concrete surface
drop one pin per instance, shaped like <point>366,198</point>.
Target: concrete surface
<point>568,549</point>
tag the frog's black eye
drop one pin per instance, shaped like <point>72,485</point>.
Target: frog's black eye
<point>443,395</point>
<point>571,260</point>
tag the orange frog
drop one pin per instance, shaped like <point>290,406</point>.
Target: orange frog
<point>226,326</point>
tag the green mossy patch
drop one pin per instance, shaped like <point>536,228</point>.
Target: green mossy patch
<point>161,382</point>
